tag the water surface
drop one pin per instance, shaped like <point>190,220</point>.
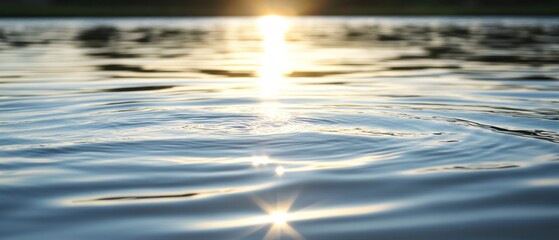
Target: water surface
<point>272,128</point>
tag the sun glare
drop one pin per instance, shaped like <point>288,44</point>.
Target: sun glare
<point>258,161</point>
<point>273,25</point>
<point>274,64</point>
<point>279,218</point>
<point>280,171</point>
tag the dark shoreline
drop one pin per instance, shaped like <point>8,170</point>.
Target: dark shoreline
<point>13,11</point>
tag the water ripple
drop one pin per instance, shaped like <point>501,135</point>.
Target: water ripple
<point>312,128</point>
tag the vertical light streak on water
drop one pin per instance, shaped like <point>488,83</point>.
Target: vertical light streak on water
<point>274,65</point>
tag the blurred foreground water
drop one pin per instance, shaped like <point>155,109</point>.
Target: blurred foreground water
<point>307,128</point>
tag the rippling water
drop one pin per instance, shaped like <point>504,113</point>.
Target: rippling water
<point>273,128</point>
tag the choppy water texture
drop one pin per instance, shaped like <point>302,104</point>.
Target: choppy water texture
<point>240,128</point>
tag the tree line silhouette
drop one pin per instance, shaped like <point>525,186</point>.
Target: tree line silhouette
<point>258,7</point>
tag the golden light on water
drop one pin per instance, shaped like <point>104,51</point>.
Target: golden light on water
<point>280,171</point>
<point>274,63</point>
<point>274,66</point>
<point>279,216</point>
<point>273,26</point>
<point>259,161</point>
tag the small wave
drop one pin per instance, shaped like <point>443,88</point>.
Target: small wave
<point>476,167</point>
<point>137,89</point>
<point>130,68</point>
<point>535,134</point>
<point>151,197</point>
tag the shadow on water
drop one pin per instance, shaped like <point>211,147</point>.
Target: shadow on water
<point>483,43</point>
<point>129,68</point>
<point>98,36</point>
<point>226,73</point>
<point>471,43</point>
<point>113,55</point>
<point>138,89</point>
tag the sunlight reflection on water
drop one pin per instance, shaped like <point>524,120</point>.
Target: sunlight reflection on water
<point>274,65</point>
<point>279,216</point>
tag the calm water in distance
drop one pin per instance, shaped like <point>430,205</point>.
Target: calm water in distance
<point>311,128</point>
